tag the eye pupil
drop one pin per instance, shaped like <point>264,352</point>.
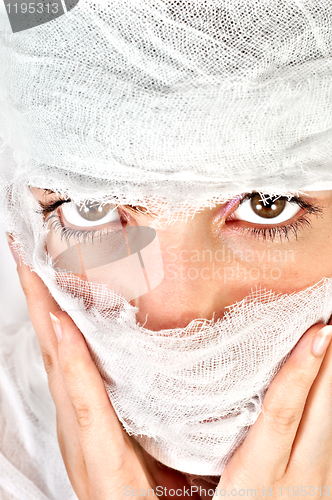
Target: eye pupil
<point>268,208</point>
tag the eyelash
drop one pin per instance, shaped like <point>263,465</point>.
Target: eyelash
<point>67,233</point>
<point>265,233</point>
<point>270,233</point>
<point>80,235</point>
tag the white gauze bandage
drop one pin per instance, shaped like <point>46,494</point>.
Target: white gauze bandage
<point>184,105</point>
<point>189,395</point>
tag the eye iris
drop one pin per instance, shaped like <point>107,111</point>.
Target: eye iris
<point>93,211</point>
<point>269,209</point>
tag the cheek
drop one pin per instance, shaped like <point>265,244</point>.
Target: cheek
<point>283,270</point>
<point>203,278</point>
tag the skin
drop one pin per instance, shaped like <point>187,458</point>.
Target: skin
<point>285,446</point>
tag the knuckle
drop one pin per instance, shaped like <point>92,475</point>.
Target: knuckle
<point>283,419</point>
<point>67,369</point>
<point>83,414</point>
<point>48,361</point>
<point>72,367</point>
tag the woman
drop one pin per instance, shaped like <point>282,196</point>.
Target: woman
<point>171,158</point>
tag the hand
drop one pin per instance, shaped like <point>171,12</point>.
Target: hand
<point>100,458</point>
<point>287,452</point>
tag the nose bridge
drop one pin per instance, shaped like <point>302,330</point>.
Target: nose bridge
<point>198,275</point>
<point>194,242</point>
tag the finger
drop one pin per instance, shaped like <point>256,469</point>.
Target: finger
<point>100,432</point>
<point>266,450</point>
<point>312,447</point>
<point>71,452</point>
<point>40,304</point>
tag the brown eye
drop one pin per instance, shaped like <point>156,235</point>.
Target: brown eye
<point>259,209</point>
<point>93,211</point>
<point>269,208</point>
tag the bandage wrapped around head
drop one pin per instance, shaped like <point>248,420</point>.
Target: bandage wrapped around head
<point>171,106</point>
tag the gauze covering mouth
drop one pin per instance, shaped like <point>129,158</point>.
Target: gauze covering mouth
<point>189,395</point>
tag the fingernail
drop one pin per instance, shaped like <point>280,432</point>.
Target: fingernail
<point>57,326</point>
<point>10,241</point>
<point>321,341</point>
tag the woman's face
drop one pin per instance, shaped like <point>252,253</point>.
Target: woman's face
<point>221,254</point>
